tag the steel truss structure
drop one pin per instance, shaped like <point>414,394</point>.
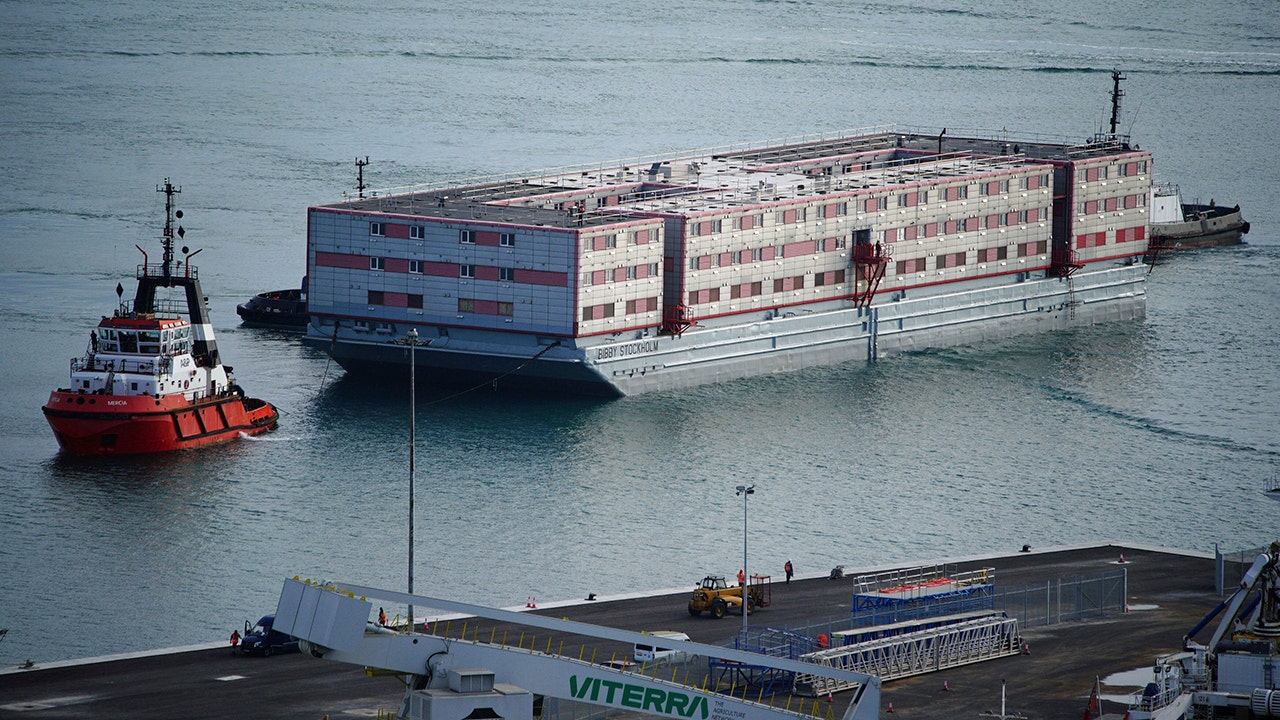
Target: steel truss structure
<point>913,653</point>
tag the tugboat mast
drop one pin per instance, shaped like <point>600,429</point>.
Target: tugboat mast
<point>169,191</point>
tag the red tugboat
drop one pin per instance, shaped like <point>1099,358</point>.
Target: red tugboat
<point>152,380</point>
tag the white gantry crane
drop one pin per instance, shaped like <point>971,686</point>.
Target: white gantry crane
<point>453,679</point>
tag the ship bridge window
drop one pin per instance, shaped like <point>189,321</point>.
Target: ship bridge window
<point>107,341</point>
<point>149,342</point>
<point>128,342</point>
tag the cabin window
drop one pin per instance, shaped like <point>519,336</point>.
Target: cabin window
<point>506,308</point>
<point>417,232</point>
<point>150,344</point>
<point>507,239</point>
<point>377,263</point>
<point>377,297</point>
<point>467,237</point>
<point>507,274</point>
<point>415,267</point>
<point>414,301</point>
<point>467,271</point>
<point>377,229</point>
<point>466,305</point>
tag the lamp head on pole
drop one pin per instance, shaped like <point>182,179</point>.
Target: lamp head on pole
<point>746,490</point>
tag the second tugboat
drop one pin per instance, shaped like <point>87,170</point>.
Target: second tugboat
<point>152,380</point>
<point>279,309</point>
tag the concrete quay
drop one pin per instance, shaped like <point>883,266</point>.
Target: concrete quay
<point>1169,592</point>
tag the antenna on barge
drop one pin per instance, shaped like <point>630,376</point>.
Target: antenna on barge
<point>1116,94</point>
<point>1113,138</point>
<point>360,186</point>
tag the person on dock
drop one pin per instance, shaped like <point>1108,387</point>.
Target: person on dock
<point>235,641</point>
<point>789,571</point>
<point>382,617</point>
<point>742,578</point>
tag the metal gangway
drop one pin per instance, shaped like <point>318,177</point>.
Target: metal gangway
<point>921,576</point>
<point>913,653</point>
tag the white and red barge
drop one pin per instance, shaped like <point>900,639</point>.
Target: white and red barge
<point>152,379</point>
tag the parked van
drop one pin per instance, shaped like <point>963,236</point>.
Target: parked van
<point>646,653</point>
<point>261,639</point>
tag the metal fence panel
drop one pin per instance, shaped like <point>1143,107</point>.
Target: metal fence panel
<point>1064,600</point>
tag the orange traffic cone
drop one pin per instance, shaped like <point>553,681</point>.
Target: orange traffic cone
<point>533,602</point>
<point>1121,561</point>
<point>1026,648</point>
<point>528,601</point>
<point>944,686</point>
<point>829,698</point>
<point>890,708</point>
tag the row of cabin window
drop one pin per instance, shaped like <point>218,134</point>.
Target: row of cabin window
<point>960,259</point>
<point>379,297</point>
<point>969,224</point>
<point>873,204</point>
<point>607,310</point>
<point>620,274</point>
<point>1091,207</point>
<point>788,216</point>
<point>910,232</point>
<point>1098,239</point>
<point>143,342</point>
<point>468,305</point>
<point>1102,172</point>
<point>419,232</point>
<point>780,285</point>
<point>505,274</point>
<point>610,240</point>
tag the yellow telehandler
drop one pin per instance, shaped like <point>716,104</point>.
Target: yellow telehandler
<point>714,595</point>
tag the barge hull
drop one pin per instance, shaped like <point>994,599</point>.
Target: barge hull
<point>774,342</point>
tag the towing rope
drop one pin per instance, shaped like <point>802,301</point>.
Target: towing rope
<point>494,382</point>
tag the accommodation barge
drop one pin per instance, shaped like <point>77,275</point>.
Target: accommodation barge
<point>671,272</point>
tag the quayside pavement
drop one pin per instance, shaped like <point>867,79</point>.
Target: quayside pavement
<point>1174,591</point>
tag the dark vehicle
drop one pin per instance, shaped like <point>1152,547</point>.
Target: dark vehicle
<point>262,640</point>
